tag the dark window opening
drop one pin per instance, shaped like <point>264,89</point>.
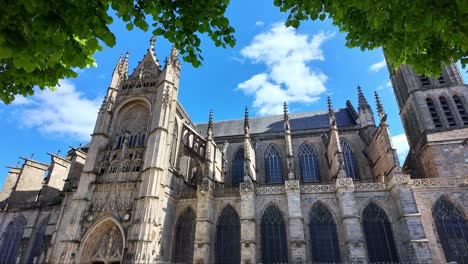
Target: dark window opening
<point>227,250</point>
<point>273,232</point>
<point>184,237</point>
<point>273,166</point>
<point>452,230</point>
<point>433,112</point>
<point>425,80</point>
<point>461,109</point>
<point>323,236</point>
<point>349,161</point>
<point>447,111</point>
<point>309,164</point>
<point>238,167</point>
<point>379,236</point>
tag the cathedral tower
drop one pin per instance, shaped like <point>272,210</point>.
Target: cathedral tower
<point>435,119</point>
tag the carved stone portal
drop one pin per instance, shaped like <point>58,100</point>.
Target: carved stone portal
<point>104,244</point>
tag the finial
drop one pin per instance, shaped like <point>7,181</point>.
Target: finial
<point>209,131</point>
<point>246,120</point>
<point>17,164</point>
<point>285,111</point>
<point>330,106</point>
<point>361,99</point>
<point>32,156</point>
<point>152,41</point>
<point>58,152</point>
<point>380,108</point>
<point>80,145</point>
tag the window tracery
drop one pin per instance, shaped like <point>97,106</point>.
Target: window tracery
<point>273,232</point>
<point>39,245</point>
<point>228,237</point>
<point>349,160</point>
<point>309,164</point>
<point>11,239</point>
<point>452,229</point>
<point>379,236</point>
<point>238,167</point>
<point>104,245</point>
<point>323,235</point>
<point>184,237</point>
<point>273,165</point>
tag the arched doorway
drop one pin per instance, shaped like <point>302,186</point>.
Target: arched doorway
<point>104,244</point>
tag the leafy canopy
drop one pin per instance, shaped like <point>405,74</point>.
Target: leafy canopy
<point>42,41</point>
<point>419,33</point>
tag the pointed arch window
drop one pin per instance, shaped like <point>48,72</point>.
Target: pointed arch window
<point>238,167</point>
<point>349,161</point>
<point>11,239</point>
<point>323,235</point>
<point>39,245</point>
<point>452,230</point>
<point>447,111</point>
<point>184,237</point>
<point>309,164</point>
<point>461,109</point>
<point>227,249</point>
<point>379,236</point>
<point>273,232</point>
<point>433,112</point>
<point>273,165</point>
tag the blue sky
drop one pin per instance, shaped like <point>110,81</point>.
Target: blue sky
<point>268,65</point>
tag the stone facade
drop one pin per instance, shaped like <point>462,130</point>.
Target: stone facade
<point>150,187</point>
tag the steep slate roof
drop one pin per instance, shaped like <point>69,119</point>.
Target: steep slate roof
<point>268,124</point>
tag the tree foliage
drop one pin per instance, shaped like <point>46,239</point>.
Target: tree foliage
<point>419,33</point>
<point>42,41</point>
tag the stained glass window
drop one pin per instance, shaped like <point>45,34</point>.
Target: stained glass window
<point>227,249</point>
<point>309,164</point>
<point>452,230</point>
<point>273,232</point>
<point>433,111</point>
<point>323,236</point>
<point>273,166</point>
<point>38,245</point>
<point>11,239</point>
<point>379,235</point>
<point>238,167</point>
<point>447,111</point>
<point>184,237</point>
<point>349,160</point>
<point>461,109</point>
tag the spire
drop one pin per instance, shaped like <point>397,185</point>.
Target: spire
<point>124,66</point>
<point>361,99</point>
<point>210,125</point>
<point>246,120</point>
<point>331,112</point>
<point>380,109</point>
<point>148,67</point>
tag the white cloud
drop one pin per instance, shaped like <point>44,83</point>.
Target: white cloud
<point>288,76</point>
<point>259,23</point>
<point>383,86</point>
<point>376,67</point>
<point>401,145</point>
<point>64,112</point>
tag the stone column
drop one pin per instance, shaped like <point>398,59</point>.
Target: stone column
<point>354,246</point>
<point>205,228</point>
<point>297,245</point>
<point>248,223</point>
<point>415,244</point>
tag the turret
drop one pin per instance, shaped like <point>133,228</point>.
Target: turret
<point>366,117</point>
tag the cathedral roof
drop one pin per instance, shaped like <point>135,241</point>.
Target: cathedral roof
<point>271,124</point>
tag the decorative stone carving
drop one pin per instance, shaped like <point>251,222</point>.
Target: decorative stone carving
<point>272,189</point>
<point>135,120</point>
<point>246,187</point>
<point>344,182</point>
<point>322,188</point>
<point>438,182</point>
<point>105,244</point>
<point>292,185</point>
<point>373,186</point>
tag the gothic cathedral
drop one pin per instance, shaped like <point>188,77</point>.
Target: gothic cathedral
<point>315,187</point>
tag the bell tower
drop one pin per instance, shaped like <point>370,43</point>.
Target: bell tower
<point>434,115</point>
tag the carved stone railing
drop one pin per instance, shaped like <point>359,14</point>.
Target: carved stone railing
<point>270,189</point>
<point>439,182</point>
<point>188,194</point>
<point>193,142</point>
<point>227,191</point>
<point>317,188</point>
<point>371,186</point>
